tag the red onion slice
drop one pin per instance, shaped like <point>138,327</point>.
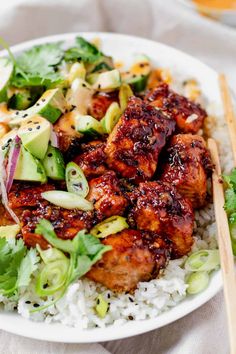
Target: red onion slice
<point>3,189</point>
<point>12,162</point>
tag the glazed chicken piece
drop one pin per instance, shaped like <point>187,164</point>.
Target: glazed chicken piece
<point>188,164</point>
<point>64,128</point>
<point>135,256</point>
<point>158,207</point>
<point>66,223</point>
<point>134,145</point>
<point>24,194</point>
<point>92,158</point>
<point>189,116</point>
<point>106,194</point>
<point>100,103</point>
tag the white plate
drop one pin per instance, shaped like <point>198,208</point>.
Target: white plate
<point>123,47</point>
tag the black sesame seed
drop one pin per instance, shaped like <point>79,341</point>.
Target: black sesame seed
<point>37,104</point>
<point>38,127</point>
<point>84,85</point>
<point>45,286</point>
<point>9,141</point>
<point>29,99</point>
<point>36,305</point>
<point>50,154</point>
<point>30,129</point>
<point>72,127</point>
<point>25,115</point>
<point>130,299</point>
<point>28,302</point>
<point>15,308</point>
<point>43,100</point>
<point>99,86</point>
<point>108,295</point>
<point>17,113</point>
<point>130,318</point>
<point>98,301</point>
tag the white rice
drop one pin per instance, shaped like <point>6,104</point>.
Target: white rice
<point>77,307</point>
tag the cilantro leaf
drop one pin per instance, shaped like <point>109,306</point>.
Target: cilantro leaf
<point>36,66</point>
<point>83,51</point>
<point>27,267</point>
<point>231,179</point>
<point>230,201</point>
<point>11,255</point>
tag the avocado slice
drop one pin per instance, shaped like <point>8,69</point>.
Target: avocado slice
<point>20,98</point>
<point>29,168</point>
<point>35,134</point>
<point>53,164</point>
<point>6,69</point>
<point>50,106</point>
<point>105,81</point>
<point>9,231</point>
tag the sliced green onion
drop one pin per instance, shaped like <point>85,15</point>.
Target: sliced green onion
<point>109,226</point>
<point>51,254</point>
<point>67,200</point>
<point>197,282</point>
<point>111,117</point>
<point>88,125</point>
<point>76,181</point>
<point>232,227</point>
<point>52,277</point>
<point>102,306</point>
<point>203,260</point>
<point>125,93</point>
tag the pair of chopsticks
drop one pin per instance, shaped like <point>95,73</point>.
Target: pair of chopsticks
<point>224,242</point>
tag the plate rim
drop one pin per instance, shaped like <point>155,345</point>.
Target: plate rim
<point>129,329</point>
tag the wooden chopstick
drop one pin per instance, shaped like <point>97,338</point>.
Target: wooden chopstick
<point>225,248</point>
<point>229,112</point>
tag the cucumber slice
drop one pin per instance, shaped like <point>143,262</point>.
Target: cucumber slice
<point>67,200</point>
<point>138,74</point>
<point>35,134</point>
<point>50,106</point>
<point>76,181</point>
<point>110,226</point>
<point>108,80</point>
<point>6,70</point>
<point>9,231</point>
<point>111,117</point>
<point>53,164</point>
<point>20,99</point>
<point>88,125</point>
<point>29,168</point>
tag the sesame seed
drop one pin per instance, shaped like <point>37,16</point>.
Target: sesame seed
<point>38,127</point>
<point>37,104</point>
<point>17,113</point>
<point>130,318</point>
<point>72,127</point>
<point>43,100</point>
<point>28,302</point>
<point>50,154</point>
<point>25,115</point>
<point>30,129</point>
<point>84,85</point>
<point>36,305</point>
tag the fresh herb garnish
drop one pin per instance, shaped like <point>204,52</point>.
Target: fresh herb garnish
<point>83,51</point>
<point>230,205</point>
<point>83,251</point>
<point>16,265</point>
<point>37,66</point>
